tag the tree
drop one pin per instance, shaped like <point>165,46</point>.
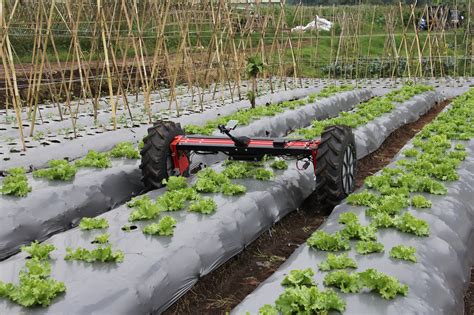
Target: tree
<point>254,67</point>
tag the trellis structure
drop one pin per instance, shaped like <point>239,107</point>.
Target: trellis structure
<point>70,51</point>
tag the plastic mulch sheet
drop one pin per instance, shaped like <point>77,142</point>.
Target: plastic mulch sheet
<point>158,270</point>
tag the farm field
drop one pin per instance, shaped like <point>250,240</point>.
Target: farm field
<point>180,157</point>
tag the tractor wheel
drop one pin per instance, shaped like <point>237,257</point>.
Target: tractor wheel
<point>336,165</point>
<point>157,163</point>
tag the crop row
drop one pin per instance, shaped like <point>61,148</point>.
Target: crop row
<point>237,217</point>
<point>95,190</point>
<point>16,183</point>
<point>38,156</point>
<point>396,206</point>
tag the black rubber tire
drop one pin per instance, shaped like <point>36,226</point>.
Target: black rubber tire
<point>330,189</point>
<point>156,153</point>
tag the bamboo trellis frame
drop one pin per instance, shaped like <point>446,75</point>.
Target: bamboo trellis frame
<point>81,50</point>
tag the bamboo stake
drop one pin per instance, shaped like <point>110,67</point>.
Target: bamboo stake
<point>16,93</point>
<point>43,56</point>
<point>107,64</point>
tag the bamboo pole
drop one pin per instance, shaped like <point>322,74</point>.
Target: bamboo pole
<point>40,75</point>
<point>107,64</point>
<point>9,60</point>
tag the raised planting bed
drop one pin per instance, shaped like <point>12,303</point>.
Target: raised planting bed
<point>54,148</point>
<point>93,192</point>
<point>157,270</point>
<point>378,118</point>
<point>411,226</point>
<point>49,125</point>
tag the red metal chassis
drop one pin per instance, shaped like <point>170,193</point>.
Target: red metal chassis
<point>256,148</point>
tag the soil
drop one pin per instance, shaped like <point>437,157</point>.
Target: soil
<point>469,297</point>
<point>224,288</point>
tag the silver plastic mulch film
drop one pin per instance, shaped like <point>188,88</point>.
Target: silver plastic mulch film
<point>437,281</point>
<point>159,270</point>
<point>93,192</point>
<point>38,157</point>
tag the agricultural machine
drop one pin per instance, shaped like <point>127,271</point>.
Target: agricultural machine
<point>167,151</point>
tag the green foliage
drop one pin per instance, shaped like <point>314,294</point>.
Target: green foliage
<point>103,252</point>
<point>459,147</point>
<point>164,227</point>
<point>330,90</point>
<point>239,169</point>
<point>233,189</point>
<point>308,300</point>
<point>328,242</point>
<point>407,92</point>
<point>38,251</point>
<point>93,223</point>
<point>410,224</point>
<point>16,183</point>
<point>263,174</point>
<point>209,181</point>
<point>364,198</point>
<point>403,252</point>
<point>175,182</point>
<point>348,217</point>
<point>388,287</point>
<point>35,287</point>
<point>268,309</point>
<point>203,205</point>
<point>333,261</point>
<point>437,165</point>
<point>368,247</point>
<point>382,220</point>
<point>141,145</point>
<point>254,66</point>
<point>95,159</point>
<point>364,112</point>
<point>354,230</point>
<point>409,181</point>
<point>346,282</point>
<point>411,152</point>
<point>298,278</point>
<point>143,208</point>
<point>175,200</point>
<point>101,239</point>
<point>242,169</point>
<point>125,150</point>
<point>245,116</point>
<point>389,204</point>
<point>419,201</point>
<point>58,170</point>
<point>279,164</point>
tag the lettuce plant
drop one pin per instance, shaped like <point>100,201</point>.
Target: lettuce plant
<point>125,150</point>
<point>58,170</point>
<point>328,242</point>
<point>16,183</point>
<point>95,159</point>
<point>298,278</point>
<point>93,223</point>
<point>203,205</point>
<point>164,227</point>
<point>403,252</point>
<point>333,261</point>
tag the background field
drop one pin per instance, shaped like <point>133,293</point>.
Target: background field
<point>66,51</point>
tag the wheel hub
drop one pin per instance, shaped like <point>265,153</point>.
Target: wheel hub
<point>348,171</point>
